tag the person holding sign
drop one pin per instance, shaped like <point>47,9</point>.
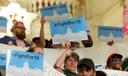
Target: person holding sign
<point>70,61</point>
<point>18,30</point>
<point>40,42</point>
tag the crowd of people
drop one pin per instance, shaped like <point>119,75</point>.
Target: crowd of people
<point>69,62</point>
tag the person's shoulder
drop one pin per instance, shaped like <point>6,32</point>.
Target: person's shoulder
<point>27,44</point>
<point>69,73</point>
<point>7,36</point>
<point>5,39</point>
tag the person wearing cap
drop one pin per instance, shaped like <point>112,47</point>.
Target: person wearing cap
<point>69,60</point>
<point>100,73</point>
<point>114,61</point>
<point>86,67</point>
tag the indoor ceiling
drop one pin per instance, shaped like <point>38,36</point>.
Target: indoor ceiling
<point>89,5</point>
<point>24,3</point>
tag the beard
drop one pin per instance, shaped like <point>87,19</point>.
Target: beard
<point>21,35</point>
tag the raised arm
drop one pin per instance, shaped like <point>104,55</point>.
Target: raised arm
<point>42,40</point>
<point>60,60</point>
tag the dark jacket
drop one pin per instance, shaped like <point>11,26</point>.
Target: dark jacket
<point>6,39</point>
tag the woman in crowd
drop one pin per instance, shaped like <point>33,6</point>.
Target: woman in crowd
<point>70,61</point>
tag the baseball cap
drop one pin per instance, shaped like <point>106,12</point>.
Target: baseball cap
<point>86,62</point>
<point>114,55</point>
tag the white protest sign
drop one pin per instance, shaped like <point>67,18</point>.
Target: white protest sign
<point>55,12</point>
<point>20,63</point>
<point>3,24</point>
<point>110,32</point>
<point>50,71</point>
<point>72,29</point>
<point>98,59</point>
<point>115,73</point>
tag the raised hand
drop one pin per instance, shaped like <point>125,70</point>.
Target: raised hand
<point>42,41</point>
<point>67,45</point>
<point>42,20</point>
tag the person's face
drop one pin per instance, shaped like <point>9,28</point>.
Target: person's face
<point>71,64</point>
<point>84,71</point>
<point>116,63</point>
<point>19,31</point>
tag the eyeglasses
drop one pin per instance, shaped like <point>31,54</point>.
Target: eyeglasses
<point>23,28</point>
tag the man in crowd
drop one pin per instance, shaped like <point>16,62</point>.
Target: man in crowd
<point>18,31</point>
<point>86,67</point>
<point>114,61</point>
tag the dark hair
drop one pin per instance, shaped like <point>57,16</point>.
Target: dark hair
<point>100,73</point>
<point>113,55</point>
<point>35,39</point>
<point>86,63</point>
<point>0,73</point>
<point>48,43</point>
<point>75,44</point>
<point>73,55</point>
<point>88,43</point>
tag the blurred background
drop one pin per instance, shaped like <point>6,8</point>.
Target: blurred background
<point>95,12</point>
